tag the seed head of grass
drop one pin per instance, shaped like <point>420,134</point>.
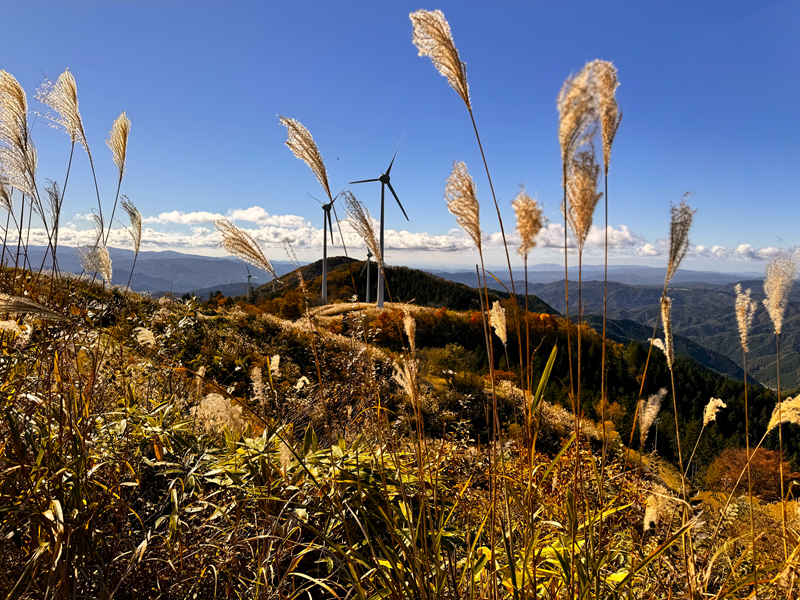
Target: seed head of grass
<point>5,196</point>
<point>300,142</point>
<point>432,38</point>
<point>712,408</point>
<point>780,275</point>
<point>745,310</point>
<point>666,318</point>
<point>610,115</point>
<point>648,411</point>
<point>787,411</point>
<point>410,325</point>
<point>240,243</point>
<point>679,227</point>
<point>215,412</point>
<point>62,97</point>
<point>23,306</point>
<point>136,222</point>
<point>54,197</point>
<point>118,141</point>
<point>497,319</point>
<point>582,194</point>
<point>17,152</point>
<point>95,259</point>
<point>360,220</point>
<point>462,202</point>
<point>405,373</point>
<point>577,110</point>
<point>530,221</point>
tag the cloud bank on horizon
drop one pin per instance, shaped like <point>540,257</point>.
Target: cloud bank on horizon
<point>178,230</point>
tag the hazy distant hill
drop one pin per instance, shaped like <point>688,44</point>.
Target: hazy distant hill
<point>629,274</point>
<point>704,315</point>
<point>168,271</point>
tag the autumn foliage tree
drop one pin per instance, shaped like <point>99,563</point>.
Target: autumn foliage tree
<point>724,471</point>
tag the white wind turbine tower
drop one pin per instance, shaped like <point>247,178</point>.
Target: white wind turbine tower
<point>385,180</point>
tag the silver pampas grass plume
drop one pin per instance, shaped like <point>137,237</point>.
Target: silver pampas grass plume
<point>5,197</point>
<point>648,411</point>
<point>95,259</point>
<point>780,274</point>
<point>745,310</point>
<point>679,227</point>
<point>136,222</point>
<point>610,116</point>
<point>240,243</point>
<point>497,319</point>
<point>787,411</point>
<point>17,153</point>
<point>463,203</point>
<point>300,142</point>
<point>666,318</point>
<point>23,306</point>
<point>118,141</point>
<point>62,97</point>
<point>432,38</point>
<point>577,110</point>
<point>410,325</point>
<point>582,194</point>
<point>530,221</point>
<point>360,220</point>
<point>712,408</point>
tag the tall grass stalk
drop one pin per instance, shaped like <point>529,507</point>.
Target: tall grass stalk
<point>745,310</point>
<point>778,283</point>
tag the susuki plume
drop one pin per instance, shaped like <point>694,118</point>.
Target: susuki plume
<point>463,203</point>
<point>5,197</point>
<point>136,222</point>
<point>96,259</point>
<point>666,318</point>
<point>529,221</point>
<point>18,305</point>
<point>745,309</point>
<point>648,412</point>
<point>240,243</point>
<point>361,221</point>
<point>405,374</point>
<point>780,274</point>
<point>659,343</point>
<point>300,142</point>
<point>678,235</point>
<point>610,115</point>
<point>577,110</point>
<point>582,194</point>
<point>410,325</point>
<point>118,141</point>
<point>497,319</point>
<point>17,153</point>
<point>712,408</point>
<point>62,97</point>
<point>432,38</point>
<point>787,411</point>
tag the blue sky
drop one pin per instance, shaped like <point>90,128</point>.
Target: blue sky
<point>708,89</point>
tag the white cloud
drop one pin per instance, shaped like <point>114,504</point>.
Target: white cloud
<point>254,214</point>
<point>647,249</point>
<point>743,252</point>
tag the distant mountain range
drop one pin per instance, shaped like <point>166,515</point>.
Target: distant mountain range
<point>703,319</point>
<point>169,271</point>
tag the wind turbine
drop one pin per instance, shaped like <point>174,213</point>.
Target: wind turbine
<point>247,298</point>
<point>367,268</point>
<point>326,220</point>
<point>385,180</point>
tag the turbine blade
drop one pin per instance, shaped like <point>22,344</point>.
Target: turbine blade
<point>364,268</point>
<point>389,170</point>
<point>363,181</point>
<point>339,227</point>
<point>391,189</point>
<point>314,198</point>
